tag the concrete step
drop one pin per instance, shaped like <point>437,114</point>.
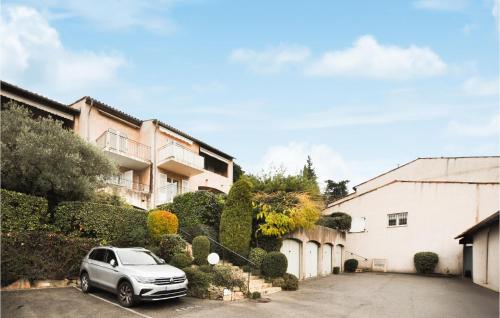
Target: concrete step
<point>267,290</point>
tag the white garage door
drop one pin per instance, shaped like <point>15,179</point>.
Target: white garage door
<point>311,260</point>
<point>338,256</point>
<point>327,259</point>
<point>291,249</point>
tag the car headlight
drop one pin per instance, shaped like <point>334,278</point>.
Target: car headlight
<point>144,280</point>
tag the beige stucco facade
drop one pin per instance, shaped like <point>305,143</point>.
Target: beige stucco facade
<point>441,197</point>
<point>485,258</point>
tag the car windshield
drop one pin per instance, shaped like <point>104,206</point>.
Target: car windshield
<point>137,257</point>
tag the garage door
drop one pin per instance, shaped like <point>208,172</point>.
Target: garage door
<point>291,249</point>
<point>311,260</point>
<point>327,259</point>
<point>338,256</point>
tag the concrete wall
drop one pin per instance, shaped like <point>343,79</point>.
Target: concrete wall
<point>437,212</point>
<point>322,236</point>
<point>485,258</point>
<point>472,169</point>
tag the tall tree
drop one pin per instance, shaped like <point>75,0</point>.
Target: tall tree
<point>238,172</point>
<point>308,170</point>
<point>335,190</point>
<point>41,158</point>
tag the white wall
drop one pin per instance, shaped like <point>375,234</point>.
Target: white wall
<point>485,258</point>
<point>437,212</point>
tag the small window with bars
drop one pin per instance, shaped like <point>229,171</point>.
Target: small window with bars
<point>397,219</point>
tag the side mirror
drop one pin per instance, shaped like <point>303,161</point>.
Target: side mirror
<point>112,263</point>
<point>162,261</point>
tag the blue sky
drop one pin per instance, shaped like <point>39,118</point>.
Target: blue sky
<point>361,86</point>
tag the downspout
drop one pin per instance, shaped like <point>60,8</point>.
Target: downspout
<point>88,119</point>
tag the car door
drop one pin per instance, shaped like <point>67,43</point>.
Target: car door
<point>109,273</point>
<point>96,261</point>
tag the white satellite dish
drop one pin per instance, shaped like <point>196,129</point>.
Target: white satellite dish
<point>213,258</point>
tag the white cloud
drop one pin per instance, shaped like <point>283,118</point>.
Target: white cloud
<point>368,58</point>
<point>490,128</point>
<point>32,52</point>
<point>271,60</point>
<point>476,86</point>
<point>441,5</point>
<point>112,14</point>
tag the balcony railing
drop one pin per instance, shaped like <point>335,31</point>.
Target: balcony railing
<point>128,184</point>
<point>117,143</point>
<point>167,193</point>
<point>176,152</point>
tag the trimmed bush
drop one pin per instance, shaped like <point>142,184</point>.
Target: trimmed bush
<point>198,282</point>
<point>201,249</point>
<point>336,270</point>
<point>278,282</point>
<point>338,220</point>
<point>42,255</point>
<point>200,207</point>
<point>269,243</point>
<point>257,256</point>
<point>109,224</point>
<point>160,223</point>
<point>22,212</point>
<point>181,260</point>
<point>224,277</point>
<point>291,282</point>
<point>274,264</point>
<point>350,265</point>
<point>236,221</point>
<point>255,295</point>
<point>170,245</point>
<point>425,262</point>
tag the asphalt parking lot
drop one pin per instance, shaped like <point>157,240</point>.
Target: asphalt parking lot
<point>347,295</point>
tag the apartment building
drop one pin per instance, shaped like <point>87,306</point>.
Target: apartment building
<point>156,161</point>
<point>420,206</point>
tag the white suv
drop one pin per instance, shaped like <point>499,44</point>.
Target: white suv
<point>133,274</point>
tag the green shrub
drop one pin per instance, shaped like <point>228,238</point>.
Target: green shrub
<point>201,249</point>
<point>336,270</point>
<point>291,282</point>
<point>200,207</point>
<point>274,264</point>
<point>206,268</point>
<point>425,262</point>
<point>278,282</point>
<point>181,260</point>
<point>22,212</point>
<point>257,256</point>
<point>170,245</point>
<point>161,223</point>
<point>337,220</point>
<point>42,255</point>
<point>255,295</point>
<point>236,220</point>
<point>198,282</point>
<point>107,223</point>
<point>269,243</point>
<point>351,265</point>
<point>225,277</point>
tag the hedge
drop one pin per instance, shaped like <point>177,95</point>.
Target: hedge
<point>257,256</point>
<point>338,220</point>
<point>198,282</point>
<point>109,224</point>
<point>160,223</point>
<point>236,220</point>
<point>181,260</point>
<point>22,212</point>
<point>425,262</point>
<point>291,282</point>
<point>274,265</point>
<point>39,255</point>
<point>351,265</point>
<point>170,245</point>
<point>200,207</point>
<point>201,249</point>
<point>269,243</point>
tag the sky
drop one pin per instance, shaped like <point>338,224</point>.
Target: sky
<point>360,86</point>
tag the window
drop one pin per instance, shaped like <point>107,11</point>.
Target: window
<point>398,219</point>
<point>98,255</point>
<point>110,256</point>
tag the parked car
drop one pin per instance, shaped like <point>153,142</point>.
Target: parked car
<point>133,274</point>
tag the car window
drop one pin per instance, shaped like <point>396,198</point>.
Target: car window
<point>138,257</point>
<point>111,255</point>
<point>98,255</point>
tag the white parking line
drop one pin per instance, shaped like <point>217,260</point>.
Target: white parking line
<point>114,304</point>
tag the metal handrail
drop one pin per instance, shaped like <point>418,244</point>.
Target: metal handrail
<point>357,255</point>
<point>123,145</point>
<point>136,186</point>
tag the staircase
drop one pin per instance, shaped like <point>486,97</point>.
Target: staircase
<point>257,284</point>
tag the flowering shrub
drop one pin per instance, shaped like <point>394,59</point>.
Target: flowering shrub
<point>160,223</point>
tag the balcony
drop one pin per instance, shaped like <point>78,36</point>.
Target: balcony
<point>124,151</point>
<point>134,193</point>
<point>178,159</point>
<point>167,193</point>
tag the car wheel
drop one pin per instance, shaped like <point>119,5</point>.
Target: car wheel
<point>126,294</point>
<point>85,283</point>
